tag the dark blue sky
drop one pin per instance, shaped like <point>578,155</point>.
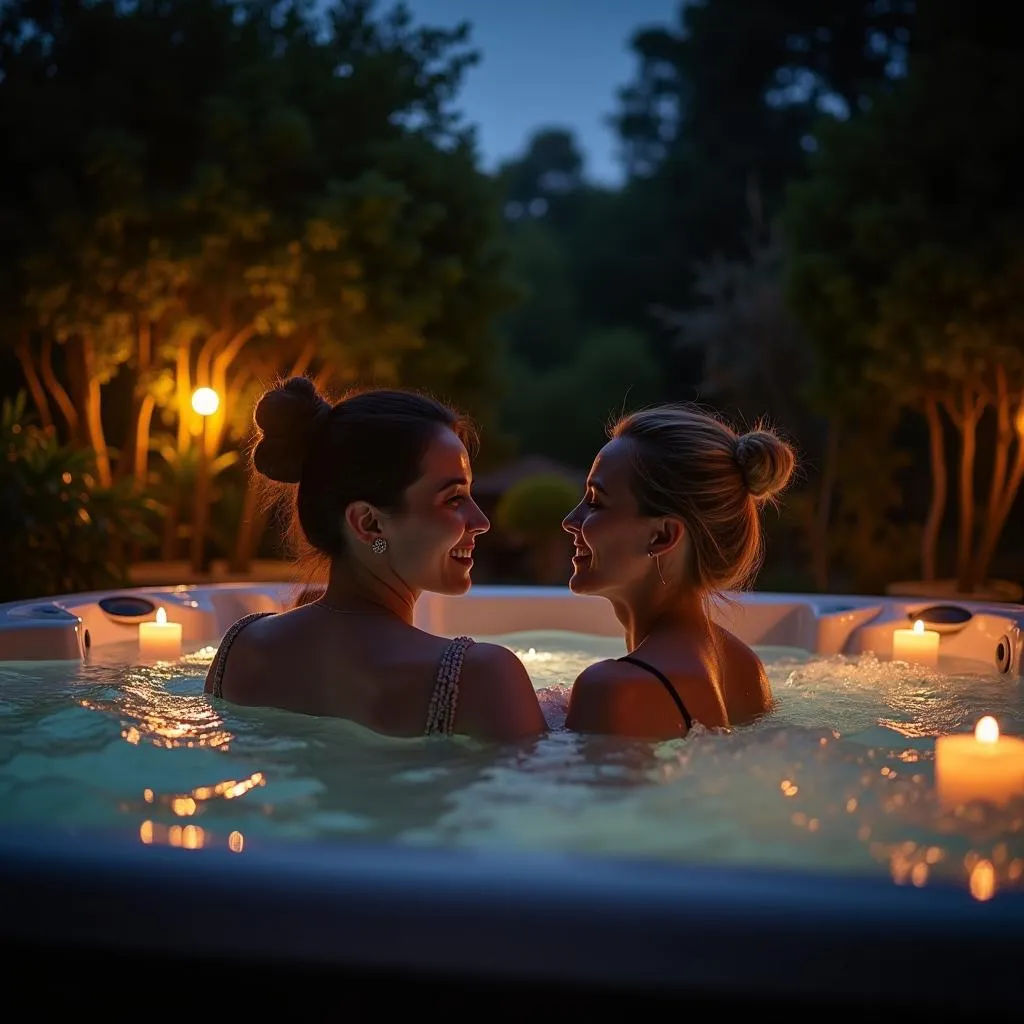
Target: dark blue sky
<point>547,62</point>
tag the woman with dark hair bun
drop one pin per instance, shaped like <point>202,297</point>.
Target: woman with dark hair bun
<point>382,492</point>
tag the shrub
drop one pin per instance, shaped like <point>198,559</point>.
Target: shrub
<point>60,532</point>
<point>535,507</point>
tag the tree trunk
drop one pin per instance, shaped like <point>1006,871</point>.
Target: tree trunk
<point>57,392</point>
<point>1001,486</point>
<point>205,357</point>
<point>218,380</point>
<point>143,422</point>
<point>252,523</point>
<point>996,521</point>
<point>143,404</point>
<point>97,438</point>
<point>940,489</point>
<point>32,381</point>
<point>141,411</point>
<point>183,395</point>
<point>968,425</point>
<point>91,397</point>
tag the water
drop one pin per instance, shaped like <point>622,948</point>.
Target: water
<point>839,778</point>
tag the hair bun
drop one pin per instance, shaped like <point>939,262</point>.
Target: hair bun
<point>766,462</point>
<point>288,416</point>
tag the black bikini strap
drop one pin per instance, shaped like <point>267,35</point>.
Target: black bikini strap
<point>668,686</point>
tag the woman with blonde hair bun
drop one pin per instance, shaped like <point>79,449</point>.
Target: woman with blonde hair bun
<point>671,518</point>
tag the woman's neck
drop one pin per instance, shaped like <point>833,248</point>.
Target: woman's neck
<point>353,587</point>
<point>648,615</point>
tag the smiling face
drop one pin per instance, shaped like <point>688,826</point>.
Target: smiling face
<point>431,541</point>
<point>610,536</point>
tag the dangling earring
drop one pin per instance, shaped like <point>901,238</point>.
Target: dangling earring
<point>657,562</point>
<point>379,545</point>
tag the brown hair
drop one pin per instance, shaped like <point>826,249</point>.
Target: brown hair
<point>688,463</point>
<point>367,447</point>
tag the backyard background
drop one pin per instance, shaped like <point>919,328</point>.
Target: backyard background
<point>818,223</point>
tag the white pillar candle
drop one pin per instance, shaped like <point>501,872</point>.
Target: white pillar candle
<point>979,766</point>
<point>918,645</point>
<point>160,640</point>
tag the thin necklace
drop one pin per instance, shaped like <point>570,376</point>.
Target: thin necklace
<point>349,611</point>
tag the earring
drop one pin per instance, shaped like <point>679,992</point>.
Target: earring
<point>657,562</point>
<point>379,545</point>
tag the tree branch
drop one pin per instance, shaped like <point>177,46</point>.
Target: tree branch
<point>32,380</point>
<point>56,389</point>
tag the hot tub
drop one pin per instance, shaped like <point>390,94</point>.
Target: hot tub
<point>805,862</point>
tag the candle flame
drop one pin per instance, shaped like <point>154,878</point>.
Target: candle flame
<point>161,616</point>
<point>919,626</point>
<point>987,730</point>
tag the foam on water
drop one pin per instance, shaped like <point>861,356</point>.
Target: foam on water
<point>840,777</point>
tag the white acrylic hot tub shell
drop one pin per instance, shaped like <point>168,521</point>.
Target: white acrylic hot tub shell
<point>65,627</point>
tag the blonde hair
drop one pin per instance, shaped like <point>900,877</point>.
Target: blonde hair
<point>689,464</point>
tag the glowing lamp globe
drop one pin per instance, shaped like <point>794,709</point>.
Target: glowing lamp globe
<point>205,401</point>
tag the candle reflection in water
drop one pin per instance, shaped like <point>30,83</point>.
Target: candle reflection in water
<point>983,880</point>
<point>186,837</point>
<point>185,805</point>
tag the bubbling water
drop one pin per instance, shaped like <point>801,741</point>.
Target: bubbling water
<point>838,778</point>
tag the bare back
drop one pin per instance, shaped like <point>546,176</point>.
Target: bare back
<point>377,671</point>
<point>666,685</point>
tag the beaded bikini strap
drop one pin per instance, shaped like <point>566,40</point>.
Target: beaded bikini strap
<point>221,656</point>
<point>445,698</point>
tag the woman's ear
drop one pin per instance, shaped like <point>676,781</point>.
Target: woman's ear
<point>668,534</point>
<point>364,520</point>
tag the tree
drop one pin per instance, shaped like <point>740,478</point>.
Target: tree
<point>756,360</point>
<point>908,256</point>
<point>563,413</point>
<point>547,179</point>
<point>752,352</point>
<point>545,194</point>
<point>543,330</point>
<point>723,102</point>
<point>215,192</point>
<point>753,358</point>
<point>732,92</point>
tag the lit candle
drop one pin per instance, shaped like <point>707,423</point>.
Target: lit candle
<point>979,766</point>
<point>160,639</point>
<point>917,644</point>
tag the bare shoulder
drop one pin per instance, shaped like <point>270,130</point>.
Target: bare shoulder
<point>602,675</point>
<point>739,652</point>
<point>750,693</point>
<point>497,700</point>
<point>494,668</point>
<point>242,650</point>
<point>598,698</point>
